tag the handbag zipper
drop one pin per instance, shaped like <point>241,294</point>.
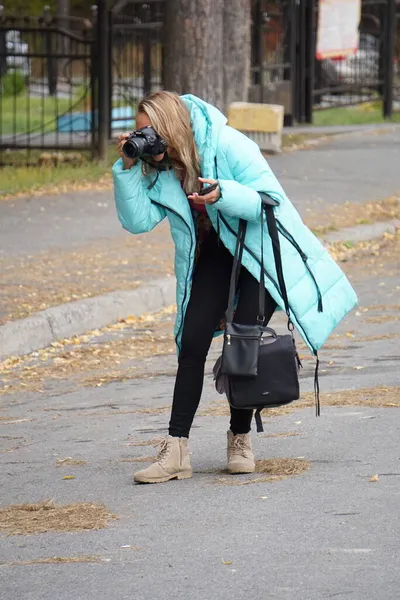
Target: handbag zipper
<point>304,258</point>
<point>229,337</point>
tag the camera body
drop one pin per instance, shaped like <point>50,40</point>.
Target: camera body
<point>144,142</point>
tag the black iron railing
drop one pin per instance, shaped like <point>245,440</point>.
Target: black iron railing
<point>70,83</point>
<point>47,85</point>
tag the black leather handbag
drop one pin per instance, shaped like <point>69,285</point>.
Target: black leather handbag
<point>258,368</point>
<point>241,342</point>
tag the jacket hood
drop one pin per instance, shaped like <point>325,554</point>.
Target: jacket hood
<point>207,123</point>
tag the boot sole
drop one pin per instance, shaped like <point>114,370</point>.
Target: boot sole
<point>238,471</point>
<point>181,475</point>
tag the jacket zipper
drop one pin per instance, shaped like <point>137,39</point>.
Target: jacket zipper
<point>269,277</point>
<point>304,258</point>
<point>186,282</point>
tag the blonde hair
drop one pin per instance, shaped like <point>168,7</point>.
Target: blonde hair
<point>170,118</point>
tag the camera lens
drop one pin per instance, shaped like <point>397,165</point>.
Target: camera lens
<point>131,149</point>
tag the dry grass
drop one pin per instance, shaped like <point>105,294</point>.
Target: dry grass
<point>155,410</point>
<point>283,434</point>
<point>67,462</point>
<point>96,358</point>
<point>275,469</point>
<point>382,318</point>
<point>350,214</point>
<point>139,459</point>
<point>282,467</point>
<point>25,519</point>
<point>385,307</point>
<point>372,250</point>
<point>55,560</point>
<point>373,397</point>
<point>83,272</point>
<point>152,442</point>
<point>374,338</point>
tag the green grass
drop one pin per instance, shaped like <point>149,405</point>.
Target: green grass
<point>24,180</point>
<point>25,114</point>
<point>367,113</point>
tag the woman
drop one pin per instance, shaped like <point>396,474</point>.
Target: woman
<point>203,150</point>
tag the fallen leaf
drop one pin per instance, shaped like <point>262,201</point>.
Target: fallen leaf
<point>374,478</point>
<point>69,477</point>
<point>226,562</point>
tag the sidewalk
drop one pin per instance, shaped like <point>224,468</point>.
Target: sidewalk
<point>59,249</point>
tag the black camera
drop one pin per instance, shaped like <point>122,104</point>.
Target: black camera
<point>144,142</point>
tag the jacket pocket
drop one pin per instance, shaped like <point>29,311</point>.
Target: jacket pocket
<point>304,258</point>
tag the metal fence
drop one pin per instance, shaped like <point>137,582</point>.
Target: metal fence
<point>285,67</point>
<point>47,83</point>
<point>273,52</point>
<point>72,83</point>
<point>135,56</point>
<point>367,75</point>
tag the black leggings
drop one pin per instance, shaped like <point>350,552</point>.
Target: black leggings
<point>207,305</point>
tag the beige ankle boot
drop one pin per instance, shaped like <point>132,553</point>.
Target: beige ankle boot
<point>240,454</point>
<point>173,462</point>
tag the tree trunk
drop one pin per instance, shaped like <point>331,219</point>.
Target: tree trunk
<point>63,42</point>
<point>193,55</point>
<point>236,50</point>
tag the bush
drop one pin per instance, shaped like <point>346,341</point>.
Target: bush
<point>12,83</point>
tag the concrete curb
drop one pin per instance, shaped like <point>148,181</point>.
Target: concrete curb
<point>339,129</point>
<point>361,233</point>
<point>328,134</point>
<point>74,318</point>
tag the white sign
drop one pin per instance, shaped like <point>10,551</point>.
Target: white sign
<point>338,22</point>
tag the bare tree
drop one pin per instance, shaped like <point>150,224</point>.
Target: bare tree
<point>236,50</point>
<point>193,55</point>
<point>63,42</point>
<point>63,8</point>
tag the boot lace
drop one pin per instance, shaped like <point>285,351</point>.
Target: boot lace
<point>164,450</point>
<point>240,447</point>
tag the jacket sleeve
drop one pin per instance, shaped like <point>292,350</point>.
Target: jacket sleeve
<point>251,174</point>
<point>135,210</point>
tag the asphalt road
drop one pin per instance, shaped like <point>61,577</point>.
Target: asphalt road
<point>327,533</point>
<point>356,168</point>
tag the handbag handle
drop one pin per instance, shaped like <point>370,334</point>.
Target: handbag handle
<point>271,331</point>
<point>237,263</point>
<point>267,204</point>
<point>276,248</point>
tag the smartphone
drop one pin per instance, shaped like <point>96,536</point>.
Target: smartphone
<point>208,189</point>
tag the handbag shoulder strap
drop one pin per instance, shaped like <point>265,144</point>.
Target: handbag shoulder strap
<point>237,263</point>
<point>267,204</point>
<point>276,248</point>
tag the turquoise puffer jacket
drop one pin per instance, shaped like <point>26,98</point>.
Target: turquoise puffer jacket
<point>312,277</point>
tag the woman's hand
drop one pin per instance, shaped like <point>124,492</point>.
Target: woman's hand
<point>206,198</point>
<point>128,162</point>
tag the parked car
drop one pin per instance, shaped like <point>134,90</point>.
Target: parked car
<point>14,45</point>
<point>363,65</point>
